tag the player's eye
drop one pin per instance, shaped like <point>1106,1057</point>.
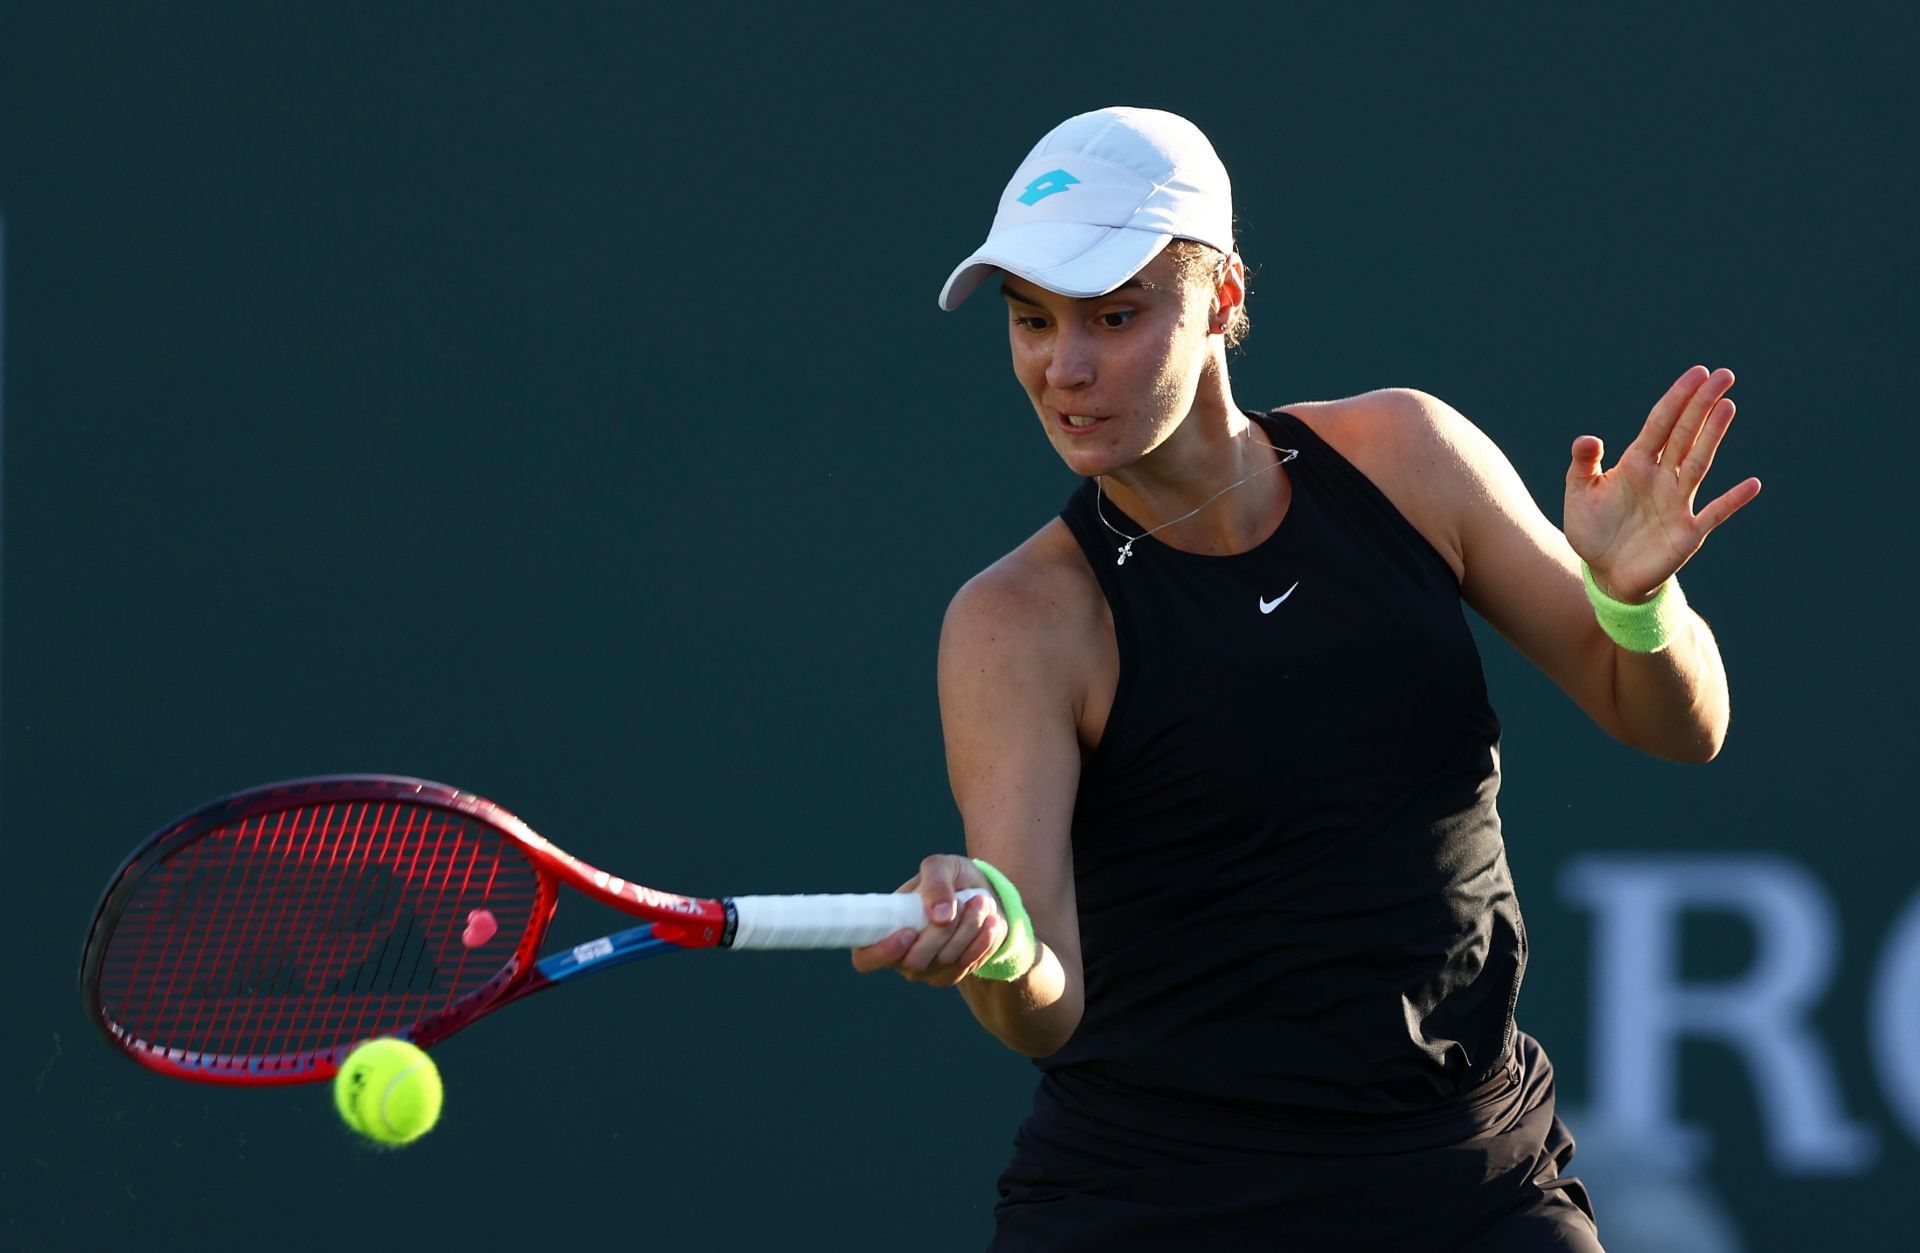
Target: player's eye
<point>1114,319</point>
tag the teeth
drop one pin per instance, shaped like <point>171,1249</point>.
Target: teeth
<point>1077,420</point>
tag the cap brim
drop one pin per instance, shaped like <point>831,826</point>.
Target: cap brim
<point>1070,258</point>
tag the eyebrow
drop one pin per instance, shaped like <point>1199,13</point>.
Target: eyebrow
<point>1007,293</point>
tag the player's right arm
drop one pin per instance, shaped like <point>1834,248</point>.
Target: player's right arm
<point>1013,663</point>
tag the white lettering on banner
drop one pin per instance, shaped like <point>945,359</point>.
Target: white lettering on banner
<point>1895,1018</point>
<point>592,950</point>
<point>1641,1008</point>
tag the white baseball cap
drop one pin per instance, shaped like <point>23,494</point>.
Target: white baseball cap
<point>1097,199</point>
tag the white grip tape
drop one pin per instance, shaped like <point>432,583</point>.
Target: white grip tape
<point>823,921</point>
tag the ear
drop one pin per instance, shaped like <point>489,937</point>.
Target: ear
<point>1229,294</point>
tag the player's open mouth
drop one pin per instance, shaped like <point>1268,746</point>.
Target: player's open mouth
<point>1075,423</point>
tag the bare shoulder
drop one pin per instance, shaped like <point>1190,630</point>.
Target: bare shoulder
<point>1040,599</point>
<point>1421,452</point>
<point>1394,423</point>
<point>1028,647</point>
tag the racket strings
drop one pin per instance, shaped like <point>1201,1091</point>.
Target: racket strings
<point>300,930</point>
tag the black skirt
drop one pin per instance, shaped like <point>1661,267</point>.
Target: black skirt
<point>1104,1170</point>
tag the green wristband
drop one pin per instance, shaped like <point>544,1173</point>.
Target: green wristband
<point>1019,950</point>
<point>1645,628</point>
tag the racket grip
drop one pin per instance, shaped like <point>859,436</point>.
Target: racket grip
<point>828,921</point>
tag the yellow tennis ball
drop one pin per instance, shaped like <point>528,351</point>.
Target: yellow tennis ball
<point>388,1091</point>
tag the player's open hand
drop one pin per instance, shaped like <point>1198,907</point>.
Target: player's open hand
<point>959,934</point>
<point>1635,525</point>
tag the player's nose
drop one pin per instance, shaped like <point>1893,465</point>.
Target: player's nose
<point>1071,364</point>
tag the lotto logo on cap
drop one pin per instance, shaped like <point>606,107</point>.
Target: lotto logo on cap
<point>1090,191</point>
<point>1098,197</point>
<point>1046,185</point>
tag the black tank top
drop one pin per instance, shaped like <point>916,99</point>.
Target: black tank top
<point>1292,887</point>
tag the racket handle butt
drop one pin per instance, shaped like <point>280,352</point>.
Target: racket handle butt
<point>828,921</point>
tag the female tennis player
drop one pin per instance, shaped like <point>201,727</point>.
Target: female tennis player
<point>1221,729</point>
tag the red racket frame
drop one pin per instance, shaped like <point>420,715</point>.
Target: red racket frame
<point>678,921</point>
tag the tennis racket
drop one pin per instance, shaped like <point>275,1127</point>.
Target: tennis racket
<point>259,938</point>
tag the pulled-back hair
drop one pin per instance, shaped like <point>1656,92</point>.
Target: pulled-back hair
<point>1200,264</point>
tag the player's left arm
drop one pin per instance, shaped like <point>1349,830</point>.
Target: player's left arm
<point>1634,525</point>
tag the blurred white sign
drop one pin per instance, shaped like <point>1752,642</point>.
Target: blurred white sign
<point>1643,1008</point>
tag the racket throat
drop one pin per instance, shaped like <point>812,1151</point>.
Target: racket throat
<point>700,932</point>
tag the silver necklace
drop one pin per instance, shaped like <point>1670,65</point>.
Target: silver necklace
<point>1126,549</point>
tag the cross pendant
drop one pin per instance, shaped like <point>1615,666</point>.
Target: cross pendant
<point>1126,551</point>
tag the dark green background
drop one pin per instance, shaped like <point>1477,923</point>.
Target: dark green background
<point>553,401</point>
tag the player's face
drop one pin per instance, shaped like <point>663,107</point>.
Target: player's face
<point>1110,377</point>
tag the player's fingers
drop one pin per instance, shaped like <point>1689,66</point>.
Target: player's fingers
<point>937,888</point>
<point>974,913</point>
<point>973,940</point>
<point>1666,411</point>
<point>1728,503</point>
<point>926,948</point>
<point>1699,459</point>
<point>883,954</point>
<point>1585,464</point>
<point>1694,416</point>
<point>977,951</point>
<point>938,950</point>
<point>993,933</point>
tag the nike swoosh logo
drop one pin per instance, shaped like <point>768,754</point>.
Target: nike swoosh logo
<point>1268,606</point>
